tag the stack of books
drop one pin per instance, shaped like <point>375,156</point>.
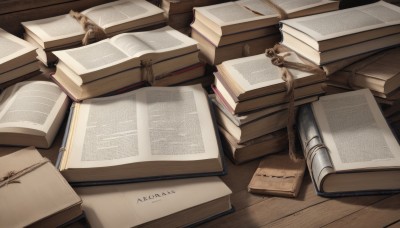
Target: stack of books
<point>161,57</point>
<point>17,59</point>
<point>179,13</point>
<point>65,31</point>
<point>252,101</point>
<point>380,73</point>
<point>329,37</point>
<point>246,27</point>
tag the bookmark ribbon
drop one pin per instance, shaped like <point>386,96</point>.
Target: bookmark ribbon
<point>12,176</point>
<point>288,78</point>
<point>147,71</point>
<point>90,28</point>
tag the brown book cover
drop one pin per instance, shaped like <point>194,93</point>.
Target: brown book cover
<point>278,175</point>
<point>33,192</point>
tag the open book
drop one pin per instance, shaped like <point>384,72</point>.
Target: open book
<point>348,145</point>
<point>17,57</point>
<point>167,203</point>
<point>332,36</point>
<point>150,133</point>
<point>245,15</point>
<point>31,113</point>
<point>64,31</point>
<point>116,62</point>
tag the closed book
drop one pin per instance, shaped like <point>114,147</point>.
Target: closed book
<point>348,146</point>
<point>167,203</point>
<point>34,193</point>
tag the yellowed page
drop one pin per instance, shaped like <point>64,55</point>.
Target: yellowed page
<point>290,6</point>
<point>355,131</point>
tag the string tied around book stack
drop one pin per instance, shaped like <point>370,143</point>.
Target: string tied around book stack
<point>287,77</point>
<point>147,71</point>
<point>12,176</point>
<point>310,152</point>
<point>91,29</point>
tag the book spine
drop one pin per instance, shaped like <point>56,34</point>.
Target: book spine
<point>65,137</point>
<point>315,153</point>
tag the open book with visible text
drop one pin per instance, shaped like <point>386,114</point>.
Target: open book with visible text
<point>348,145</point>
<point>31,113</point>
<point>111,64</point>
<point>150,133</point>
<point>113,18</point>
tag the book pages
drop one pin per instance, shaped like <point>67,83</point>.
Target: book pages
<point>174,125</point>
<point>355,131</point>
<point>348,21</point>
<point>32,105</point>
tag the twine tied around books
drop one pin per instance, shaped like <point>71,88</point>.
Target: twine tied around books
<point>12,176</point>
<point>90,28</point>
<point>147,71</point>
<point>309,153</point>
<point>288,78</point>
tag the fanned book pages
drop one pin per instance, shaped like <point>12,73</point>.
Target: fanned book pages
<point>116,17</point>
<point>31,113</point>
<point>379,73</point>
<point>37,195</point>
<point>17,57</point>
<point>348,145</point>
<point>333,36</point>
<point>167,203</point>
<point>150,133</point>
<point>251,83</point>
<point>123,60</point>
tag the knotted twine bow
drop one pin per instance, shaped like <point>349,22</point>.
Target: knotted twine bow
<point>12,176</point>
<point>90,28</point>
<point>284,65</point>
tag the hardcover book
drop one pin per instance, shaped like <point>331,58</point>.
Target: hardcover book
<point>150,133</point>
<point>166,203</point>
<point>348,146</point>
<point>31,113</point>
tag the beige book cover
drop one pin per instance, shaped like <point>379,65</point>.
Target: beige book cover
<point>33,192</point>
<point>168,203</point>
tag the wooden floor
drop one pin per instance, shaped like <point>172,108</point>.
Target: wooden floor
<point>307,210</point>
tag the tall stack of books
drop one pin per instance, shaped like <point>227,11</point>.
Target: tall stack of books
<point>65,31</point>
<point>380,73</point>
<point>246,27</point>
<point>17,59</point>
<point>179,13</point>
<point>329,37</point>
<point>252,102</point>
<point>161,57</point>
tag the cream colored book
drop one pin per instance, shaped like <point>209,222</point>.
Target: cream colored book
<point>15,53</point>
<point>380,72</point>
<point>31,113</point>
<point>123,52</point>
<point>256,76</point>
<point>359,153</point>
<point>168,203</point>
<point>332,36</point>
<point>114,17</point>
<point>41,197</point>
<point>125,136</point>
<point>245,15</point>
